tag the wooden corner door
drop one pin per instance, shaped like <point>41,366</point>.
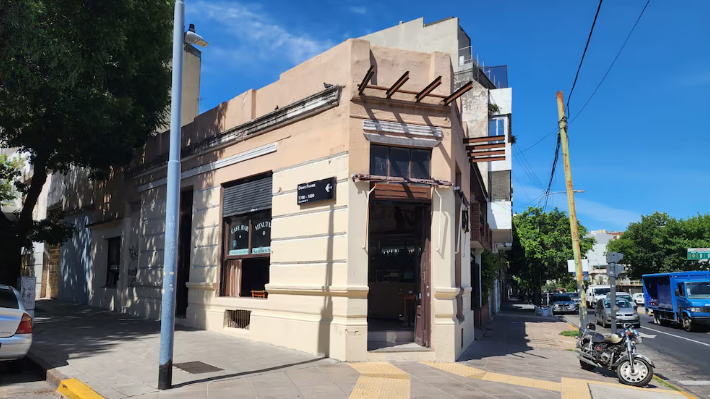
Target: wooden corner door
<point>422,328</point>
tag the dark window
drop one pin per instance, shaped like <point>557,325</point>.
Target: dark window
<point>249,234</point>
<point>238,235</point>
<point>261,233</point>
<point>379,160</point>
<point>500,185</point>
<point>681,291</point>
<point>421,162</point>
<point>114,261</point>
<point>8,299</point>
<point>255,276</point>
<point>400,162</point>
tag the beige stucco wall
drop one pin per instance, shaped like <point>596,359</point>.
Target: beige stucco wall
<point>318,275</point>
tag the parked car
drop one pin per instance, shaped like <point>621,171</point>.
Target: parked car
<point>595,293</point>
<point>621,295</point>
<point>638,298</point>
<point>625,313</point>
<point>575,297</point>
<point>562,303</point>
<point>15,327</point>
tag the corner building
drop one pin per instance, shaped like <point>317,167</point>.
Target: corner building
<point>368,267</point>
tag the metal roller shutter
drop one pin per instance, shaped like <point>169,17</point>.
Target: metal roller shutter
<point>247,196</point>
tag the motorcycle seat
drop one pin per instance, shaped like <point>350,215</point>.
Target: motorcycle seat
<point>614,338</point>
<point>597,338</point>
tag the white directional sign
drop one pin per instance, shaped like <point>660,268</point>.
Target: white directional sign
<point>572,268</point>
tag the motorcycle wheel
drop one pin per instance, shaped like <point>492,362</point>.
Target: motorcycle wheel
<point>642,375</point>
<point>586,366</point>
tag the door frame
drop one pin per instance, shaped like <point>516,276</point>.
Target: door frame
<point>422,329</point>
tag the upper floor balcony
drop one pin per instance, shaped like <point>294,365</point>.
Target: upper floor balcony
<point>470,68</point>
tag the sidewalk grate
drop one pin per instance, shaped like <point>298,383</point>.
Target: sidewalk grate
<point>196,367</point>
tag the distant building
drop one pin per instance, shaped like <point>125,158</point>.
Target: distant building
<point>598,264</point>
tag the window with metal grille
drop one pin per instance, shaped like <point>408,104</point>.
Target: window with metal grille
<point>238,318</point>
<point>500,185</point>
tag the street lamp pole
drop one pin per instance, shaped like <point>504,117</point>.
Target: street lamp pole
<point>167,316</point>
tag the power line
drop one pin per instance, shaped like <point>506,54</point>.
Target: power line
<point>542,138</point>
<point>589,38</point>
<point>521,185</point>
<point>552,172</point>
<point>529,171</point>
<point>612,63</point>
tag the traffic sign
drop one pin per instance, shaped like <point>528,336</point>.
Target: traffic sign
<point>319,190</point>
<point>698,253</point>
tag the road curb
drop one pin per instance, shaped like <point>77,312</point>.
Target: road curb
<point>71,388</point>
<point>684,393</point>
<point>75,389</point>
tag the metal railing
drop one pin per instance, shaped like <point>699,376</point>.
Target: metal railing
<point>470,68</point>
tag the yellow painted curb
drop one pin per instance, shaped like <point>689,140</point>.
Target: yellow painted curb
<point>75,389</point>
<point>680,391</point>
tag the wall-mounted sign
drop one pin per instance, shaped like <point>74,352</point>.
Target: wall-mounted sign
<point>315,191</point>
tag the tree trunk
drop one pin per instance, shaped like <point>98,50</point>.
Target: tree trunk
<point>16,233</point>
<point>11,255</point>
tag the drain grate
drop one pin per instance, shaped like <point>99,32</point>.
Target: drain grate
<point>197,367</point>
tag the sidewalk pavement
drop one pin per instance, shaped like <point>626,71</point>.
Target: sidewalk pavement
<point>517,355</point>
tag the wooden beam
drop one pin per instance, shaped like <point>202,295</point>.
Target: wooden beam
<point>484,139</point>
<point>366,79</point>
<point>403,91</point>
<point>491,159</point>
<point>398,84</point>
<point>485,146</point>
<point>427,90</point>
<point>482,153</point>
<point>458,93</point>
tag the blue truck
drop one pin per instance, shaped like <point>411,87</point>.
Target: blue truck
<point>683,297</point>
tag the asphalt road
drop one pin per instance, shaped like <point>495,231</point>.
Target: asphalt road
<point>680,357</point>
<point>26,384</point>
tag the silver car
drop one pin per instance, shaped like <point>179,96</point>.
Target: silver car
<point>562,303</point>
<point>625,313</point>
<point>15,326</point>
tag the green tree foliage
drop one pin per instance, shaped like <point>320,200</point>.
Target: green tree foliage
<point>542,244</point>
<point>10,170</point>
<point>491,265</point>
<point>659,243</point>
<point>82,84</point>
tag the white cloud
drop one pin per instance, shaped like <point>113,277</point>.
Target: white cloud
<point>357,10</point>
<point>615,218</point>
<point>254,34</point>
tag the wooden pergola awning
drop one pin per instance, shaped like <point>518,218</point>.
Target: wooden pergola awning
<point>485,149</point>
<point>389,179</point>
<point>396,87</point>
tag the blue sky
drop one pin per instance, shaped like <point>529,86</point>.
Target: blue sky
<point>640,145</point>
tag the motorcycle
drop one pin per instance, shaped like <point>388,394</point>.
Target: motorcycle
<point>616,352</point>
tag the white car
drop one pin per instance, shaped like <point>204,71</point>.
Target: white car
<point>638,299</point>
<point>15,326</point>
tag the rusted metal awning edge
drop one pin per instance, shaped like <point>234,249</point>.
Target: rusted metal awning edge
<point>386,179</point>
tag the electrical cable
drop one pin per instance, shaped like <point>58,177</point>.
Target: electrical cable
<point>612,63</point>
<point>589,38</point>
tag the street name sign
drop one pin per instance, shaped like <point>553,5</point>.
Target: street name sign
<point>316,191</point>
<point>698,253</point>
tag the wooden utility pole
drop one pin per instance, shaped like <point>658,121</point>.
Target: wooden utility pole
<point>572,212</point>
